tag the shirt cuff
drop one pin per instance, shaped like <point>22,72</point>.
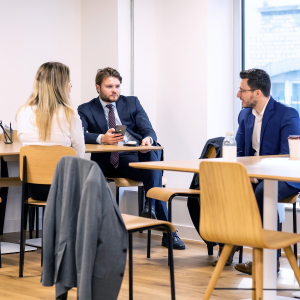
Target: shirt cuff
<point>255,180</point>
<point>98,140</point>
<point>151,140</point>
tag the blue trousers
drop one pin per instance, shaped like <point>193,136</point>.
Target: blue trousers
<point>284,190</point>
<point>150,178</point>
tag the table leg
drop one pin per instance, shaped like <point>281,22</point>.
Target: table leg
<point>270,223</point>
<point>3,194</point>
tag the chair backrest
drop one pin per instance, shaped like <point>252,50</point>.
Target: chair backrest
<point>229,212</point>
<point>41,162</point>
<point>15,136</point>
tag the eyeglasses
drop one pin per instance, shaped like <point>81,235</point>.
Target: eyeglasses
<point>242,91</point>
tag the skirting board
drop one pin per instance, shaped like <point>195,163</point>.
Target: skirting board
<point>34,242</point>
<point>7,248</point>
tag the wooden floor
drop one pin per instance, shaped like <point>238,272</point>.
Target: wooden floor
<point>151,276</point>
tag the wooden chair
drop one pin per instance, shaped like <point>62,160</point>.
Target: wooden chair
<point>15,181</point>
<point>168,194</point>
<point>293,200</point>
<point>126,182</point>
<point>134,224</point>
<point>37,165</point>
<point>226,189</point>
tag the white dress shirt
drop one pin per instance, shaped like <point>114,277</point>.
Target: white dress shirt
<point>127,137</point>
<point>61,134</point>
<point>256,146</point>
<point>257,129</point>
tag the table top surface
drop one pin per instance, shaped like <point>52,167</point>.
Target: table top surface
<point>14,148</point>
<point>275,167</point>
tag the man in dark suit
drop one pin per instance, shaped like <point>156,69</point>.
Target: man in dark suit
<point>264,128</point>
<point>99,118</point>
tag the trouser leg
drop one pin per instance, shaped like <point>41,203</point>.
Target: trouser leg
<point>284,191</point>
<point>150,178</point>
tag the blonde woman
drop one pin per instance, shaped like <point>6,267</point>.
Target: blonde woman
<point>47,118</point>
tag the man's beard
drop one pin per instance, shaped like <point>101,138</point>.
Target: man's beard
<point>106,99</point>
<point>251,103</point>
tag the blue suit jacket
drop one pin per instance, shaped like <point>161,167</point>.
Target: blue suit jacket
<point>131,114</point>
<point>279,121</point>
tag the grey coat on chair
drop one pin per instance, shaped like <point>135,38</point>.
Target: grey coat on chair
<point>85,239</point>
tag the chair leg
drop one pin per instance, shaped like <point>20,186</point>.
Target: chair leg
<point>210,248</point>
<point>241,255</point>
<point>171,264</point>
<point>149,231</point>
<point>24,212</point>
<point>42,235</point>
<point>31,221</point>
<point>258,258</point>
<point>170,210</point>
<point>0,256</point>
<point>140,199</point>
<point>293,262</point>
<point>253,276</point>
<point>295,227</point>
<point>217,272</point>
<point>37,218</point>
<point>117,195</point>
<point>130,268</point>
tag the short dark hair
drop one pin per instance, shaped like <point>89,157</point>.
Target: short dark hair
<point>106,72</point>
<point>257,80</point>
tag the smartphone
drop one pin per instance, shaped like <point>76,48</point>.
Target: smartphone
<point>120,129</point>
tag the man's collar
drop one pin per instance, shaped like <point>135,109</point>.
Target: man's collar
<point>104,103</point>
<point>254,112</point>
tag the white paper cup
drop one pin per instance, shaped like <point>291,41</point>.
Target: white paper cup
<point>294,145</point>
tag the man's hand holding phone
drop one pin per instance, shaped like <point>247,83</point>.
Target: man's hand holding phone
<point>111,138</point>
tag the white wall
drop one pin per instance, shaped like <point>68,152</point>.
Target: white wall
<point>220,96</point>
<point>182,57</point>
<point>33,32</point>
<point>99,42</point>
<point>183,77</point>
<point>105,36</point>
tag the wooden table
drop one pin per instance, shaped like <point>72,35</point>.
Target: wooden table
<point>14,148</point>
<point>11,152</point>
<point>270,168</point>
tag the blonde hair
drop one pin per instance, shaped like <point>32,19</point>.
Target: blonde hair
<point>49,94</point>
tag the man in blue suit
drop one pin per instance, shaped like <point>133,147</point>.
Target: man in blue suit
<point>99,118</point>
<point>264,128</point>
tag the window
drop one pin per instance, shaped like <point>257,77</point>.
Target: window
<point>271,42</point>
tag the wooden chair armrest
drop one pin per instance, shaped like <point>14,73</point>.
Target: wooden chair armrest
<point>164,194</point>
<point>10,181</point>
<point>135,223</point>
<point>37,202</point>
<point>292,199</point>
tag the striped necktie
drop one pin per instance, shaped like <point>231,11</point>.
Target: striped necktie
<point>114,156</point>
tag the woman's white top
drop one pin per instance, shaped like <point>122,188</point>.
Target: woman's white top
<point>61,134</point>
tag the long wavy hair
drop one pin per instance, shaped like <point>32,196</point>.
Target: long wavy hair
<point>50,93</point>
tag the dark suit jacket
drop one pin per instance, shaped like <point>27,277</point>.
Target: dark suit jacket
<point>131,114</point>
<point>279,121</point>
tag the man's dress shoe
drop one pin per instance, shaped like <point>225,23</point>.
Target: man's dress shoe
<point>247,267</point>
<point>145,212</point>
<point>230,258</point>
<point>177,243</point>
